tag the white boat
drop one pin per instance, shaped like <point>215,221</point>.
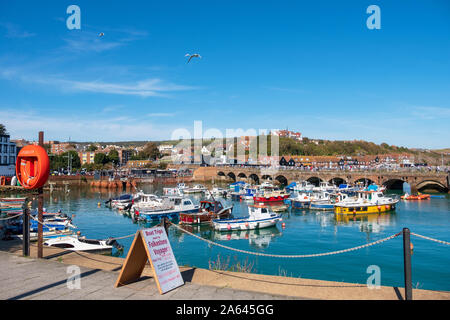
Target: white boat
<point>325,187</point>
<point>300,200</point>
<point>321,201</point>
<point>198,188</point>
<point>303,186</point>
<point>177,191</point>
<point>147,202</point>
<point>170,206</point>
<point>75,243</point>
<point>259,217</point>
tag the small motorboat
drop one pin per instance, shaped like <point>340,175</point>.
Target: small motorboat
<point>259,217</point>
<point>208,211</point>
<point>78,243</point>
<point>300,200</point>
<point>169,207</point>
<point>419,196</point>
<point>198,188</point>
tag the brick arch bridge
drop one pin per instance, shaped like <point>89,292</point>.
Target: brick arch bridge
<point>391,179</point>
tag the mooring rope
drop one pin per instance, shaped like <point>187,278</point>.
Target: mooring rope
<point>12,216</point>
<point>289,256</point>
<point>431,239</point>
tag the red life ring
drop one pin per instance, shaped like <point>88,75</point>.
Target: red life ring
<point>32,167</point>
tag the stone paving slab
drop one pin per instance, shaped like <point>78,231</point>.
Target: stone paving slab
<point>48,280</point>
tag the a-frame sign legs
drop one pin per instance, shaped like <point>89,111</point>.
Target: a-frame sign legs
<point>134,263</point>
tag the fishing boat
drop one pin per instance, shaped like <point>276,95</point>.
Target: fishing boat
<point>124,201</point>
<point>300,200</point>
<point>208,211</point>
<point>303,186</point>
<point>324,187</point>
<point>419,196</point>
<point>177,191</point>
<point>198,188</point>
<point>170,207</point>
<point>76,243</point>
<point>321,201</point>
<point>271,196</point>
<point>259,217</point>
<point>366,202</point>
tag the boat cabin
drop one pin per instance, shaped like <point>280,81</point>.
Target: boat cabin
<point>211,206</point>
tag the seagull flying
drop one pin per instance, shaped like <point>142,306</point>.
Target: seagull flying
<point>195,55</point>
<point>101,34</point>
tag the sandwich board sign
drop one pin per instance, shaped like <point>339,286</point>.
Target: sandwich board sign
<point>151,245</point>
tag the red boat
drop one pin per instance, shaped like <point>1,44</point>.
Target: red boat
<point>419,196</point>
<point>208,210</point>
<point>274,196</point>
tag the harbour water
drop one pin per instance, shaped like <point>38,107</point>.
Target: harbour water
<point>305,232</point>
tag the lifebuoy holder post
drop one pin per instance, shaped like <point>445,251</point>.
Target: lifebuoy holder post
<point>32,167</point>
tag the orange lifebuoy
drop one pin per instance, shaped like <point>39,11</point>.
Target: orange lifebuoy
<point>32,167</point>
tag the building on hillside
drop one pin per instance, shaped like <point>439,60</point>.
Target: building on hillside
<point>125,156</point>
<point>165,149</point>
<point>87,157</point>
<point>287,134</point>
<point>8,154</point>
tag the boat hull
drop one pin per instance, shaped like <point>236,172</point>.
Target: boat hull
<point>270,199</point>
<point>355,210</point>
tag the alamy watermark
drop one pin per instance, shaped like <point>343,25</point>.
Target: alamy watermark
<point>234,146</point>
<point>74,279</point>
<point>374,280</point>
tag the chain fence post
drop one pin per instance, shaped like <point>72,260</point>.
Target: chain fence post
<point>407,263</point>
<point>26,229</point>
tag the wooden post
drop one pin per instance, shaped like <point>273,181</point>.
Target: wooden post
<point>26,230</point>
<point>407,263</point>
<point>40,209</point>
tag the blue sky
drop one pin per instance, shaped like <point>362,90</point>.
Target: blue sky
<point>311,66</point>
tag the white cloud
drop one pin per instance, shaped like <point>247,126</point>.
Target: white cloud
<point>144,88</point>
<point>27,124</point>
<point>15,31</point>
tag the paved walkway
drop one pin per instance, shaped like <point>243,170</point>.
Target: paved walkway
<point>33,279</point>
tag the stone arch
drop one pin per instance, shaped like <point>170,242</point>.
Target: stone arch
<point>314,180</point>
<point>337,181</point>
<point>282,180</point>
<point>242,175</point>
<point>432,185</point>
<point>254,178</point>
<point>232,176</point>
<point>394,184</point>
<point>266,177</point>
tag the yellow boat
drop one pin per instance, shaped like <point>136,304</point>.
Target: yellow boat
<point>366,202</point>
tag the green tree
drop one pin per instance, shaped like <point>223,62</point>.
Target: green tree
<point>3,129</point>
<point>100,158</point>
<point>151,151</point>
<point>113,156</point>
<point>91,148</point>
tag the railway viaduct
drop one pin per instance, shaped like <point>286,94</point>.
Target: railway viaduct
<point>438,181</point>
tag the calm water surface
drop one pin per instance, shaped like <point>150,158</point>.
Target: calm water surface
<point>305,232</point>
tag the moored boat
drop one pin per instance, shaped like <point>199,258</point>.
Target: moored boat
<point>366,202</point>
<point>208,211</point>
<point>75,243</point>
<point>259,217</point>
<point>419,196</point>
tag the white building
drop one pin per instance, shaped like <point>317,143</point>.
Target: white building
<point>7,156</point>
